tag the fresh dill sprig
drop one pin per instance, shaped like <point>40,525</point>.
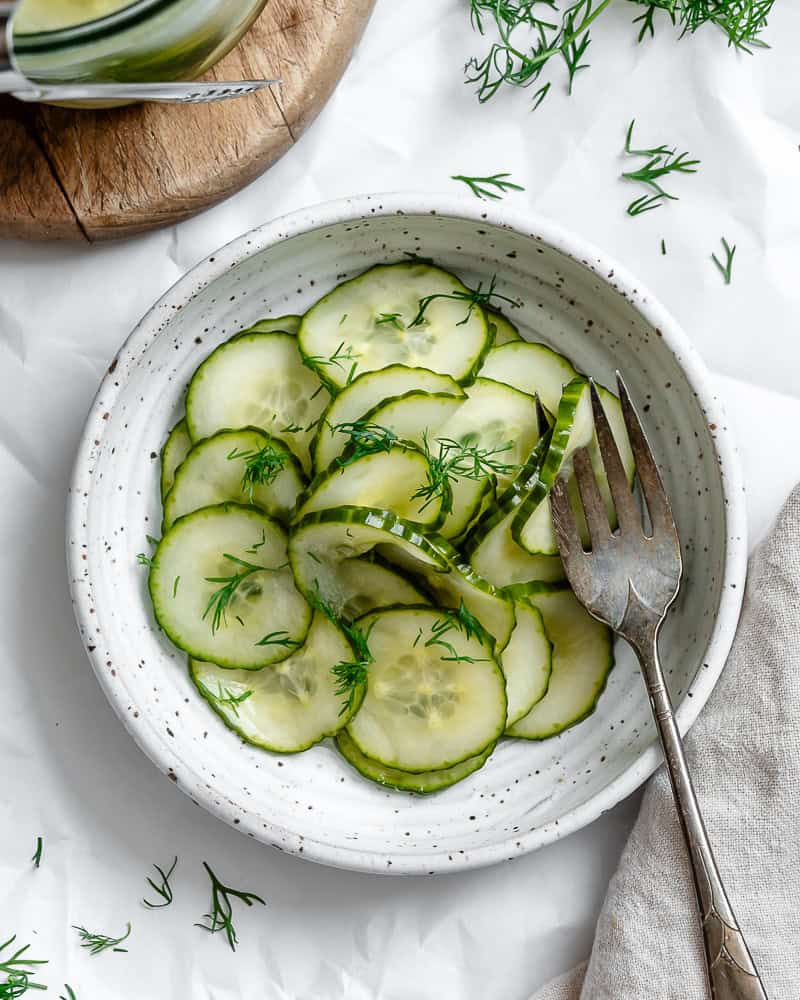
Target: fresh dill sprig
<point>365,439</point>
<point>261,467</point>
<point>529,34</point>
<point>279,638</point>
<point>144,560</point>
<point>70,993</point>
<point>221,916</point>
<point>473,296</point>
<point>462,621</point>
<point>456,460</point>
<point>391,319</point>
<point>164,890</point>
<point>17,969</point>
<point>661,161</point>
<point>225,696</point>
<point>97,943</point>
<point>220,600</point>
<point>493,187</point>
<point>352,674</point>
<point>151,541</point>
<point>340,355</point>
<point>292,429</point>
<point>725,269</point>
<point>37,854</point>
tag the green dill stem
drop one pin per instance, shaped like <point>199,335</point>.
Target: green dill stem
<point>219,601</point>
<point>144,560</point>
<point>37,854</point>
<point>164,890</point>
<point>725,269</point>
<point>97,943</point>
<point>481,187</point>
<point>18,969</point>
<point>220,917</point>
<point>70,993</point>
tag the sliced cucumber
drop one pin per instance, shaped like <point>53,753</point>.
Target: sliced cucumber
<point>374,320</point>
<point>583,656</point>
<point>176,448</point>
<point>278,324</point>
<point>532,368</point>
<point>405,781</point>
<point>527,662</point>
<point>493,418</point>
<point>368,391</point>
<point>387,479</point>
<point>492,551</point>
<point>215,471</point>
<point>416,416</point>
<point>435,694</point>
<point>265,617</point>
<point>323,539</point>
<point>258,380</point>
<point>288,706</point>
<point>367,584</point>
<point>532,528</point>
<point>497,558</point>
<point>504,330</point>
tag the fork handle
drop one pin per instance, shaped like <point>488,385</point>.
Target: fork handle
<point>732,974</point>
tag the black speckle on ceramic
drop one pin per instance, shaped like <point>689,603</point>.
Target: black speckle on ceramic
<point>313,804</point>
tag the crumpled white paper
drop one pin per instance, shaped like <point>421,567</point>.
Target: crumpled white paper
<point>401,118</point>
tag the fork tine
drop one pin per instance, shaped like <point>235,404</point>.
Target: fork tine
<point>649,477</point>
<point>621,494</point>
<point>593,507</point>
<point>569,538</point>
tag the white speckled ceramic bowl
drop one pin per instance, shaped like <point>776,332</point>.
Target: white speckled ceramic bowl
<point>314,804</point>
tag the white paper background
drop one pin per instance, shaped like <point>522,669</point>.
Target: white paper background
<point>401,118</point>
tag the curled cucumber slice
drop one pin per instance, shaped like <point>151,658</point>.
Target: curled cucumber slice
<point>435,694</point>
<point>366,584</point>
<point>222,589</point>
<point>408,313</point>
<point>288,706</point>
<point>405,781</point>
<point>527,662</point>
<point>247,467</point>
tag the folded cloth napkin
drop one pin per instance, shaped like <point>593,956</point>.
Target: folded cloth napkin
<point>744,754</point>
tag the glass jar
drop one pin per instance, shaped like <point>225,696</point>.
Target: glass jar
<point>140,41</point>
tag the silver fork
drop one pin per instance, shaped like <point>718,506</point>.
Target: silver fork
<point>628,580</point>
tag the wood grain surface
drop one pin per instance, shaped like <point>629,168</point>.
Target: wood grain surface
<point>97,175</point>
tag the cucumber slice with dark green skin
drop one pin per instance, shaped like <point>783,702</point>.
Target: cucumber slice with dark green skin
<point>279,324</point>
<point>258,380</point>
<point>374,320</point>
<point>365,393</point>
<point>532,368</point>
<point>504,330</point>
<point>527,662</point>
<point>532,527</point>
<point>176,448</point>
<point>265,617</point>
<point>322,540</point>
<point>423,783</point>
<point>388,479</point>
<point>214,472</point>
<point>583,655</point>
<point>288,706</point>
<point>435,694</point>
<point>367,584</point>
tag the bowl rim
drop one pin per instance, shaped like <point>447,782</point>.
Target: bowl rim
<point>530,225</point>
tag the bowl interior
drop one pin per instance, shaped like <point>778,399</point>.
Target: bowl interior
<point>313,803</point>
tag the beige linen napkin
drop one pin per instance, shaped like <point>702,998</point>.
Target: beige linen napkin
<point>744,753</point>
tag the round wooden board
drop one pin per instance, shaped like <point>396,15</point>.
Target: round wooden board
<point>98,175</point>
